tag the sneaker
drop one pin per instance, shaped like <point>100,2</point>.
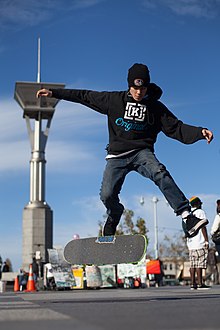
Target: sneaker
<point>193,224</point>
<point>109,228</point>
<point>193,287</point>
<point>203,287</point>
<point>184,228</point>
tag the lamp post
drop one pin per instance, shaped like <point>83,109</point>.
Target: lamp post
<point>155,200</point>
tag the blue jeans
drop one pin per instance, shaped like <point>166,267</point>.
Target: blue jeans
<point>145,163</point>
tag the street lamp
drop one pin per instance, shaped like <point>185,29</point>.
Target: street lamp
<point>155,200</point>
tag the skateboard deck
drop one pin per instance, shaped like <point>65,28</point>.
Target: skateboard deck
<point>106,250</point>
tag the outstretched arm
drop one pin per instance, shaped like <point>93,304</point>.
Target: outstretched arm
<point>98,101</point>
<point>44,92</point>
<point>176,129</point>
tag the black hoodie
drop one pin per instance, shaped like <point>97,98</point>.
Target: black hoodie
<point>133,125</point>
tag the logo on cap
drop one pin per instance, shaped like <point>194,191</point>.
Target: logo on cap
<point>138,82</point>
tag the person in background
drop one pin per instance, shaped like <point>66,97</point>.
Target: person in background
<point>198,246</point>
<point>214,229</point>
<point>212,270</point>
<point>35,269</point>
<point>159,277</point>
<point>0,267</point>
<point>5,268</point>
<point>23,279</point>
<point>216,225</point>
<point>135,118</point>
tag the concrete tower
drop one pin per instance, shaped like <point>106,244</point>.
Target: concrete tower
<point>37,214</point>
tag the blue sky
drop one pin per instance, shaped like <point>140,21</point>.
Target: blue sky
<point>90,44</point>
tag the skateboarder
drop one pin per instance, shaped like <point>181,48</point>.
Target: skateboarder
<point>135,118</point>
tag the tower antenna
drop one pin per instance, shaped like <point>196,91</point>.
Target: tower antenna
<point>38,62</point>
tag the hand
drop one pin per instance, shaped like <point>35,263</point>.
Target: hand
<point>206,245</point>
<point>44,92</point>
<point>207,134</point>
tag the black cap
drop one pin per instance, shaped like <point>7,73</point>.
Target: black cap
<point>138,75</point>
<point>194,201</point>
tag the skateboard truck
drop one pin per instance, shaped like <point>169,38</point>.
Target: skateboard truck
<point>105,239</point>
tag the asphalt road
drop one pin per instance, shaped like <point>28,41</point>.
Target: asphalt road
<point>107,309</point>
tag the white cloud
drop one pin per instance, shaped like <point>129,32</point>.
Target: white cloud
<point>90,212</point>
<point>11,123</point>
<point>82,4</point>
<point>196,8</point>
<point>72,146</point>
<point>70,157</point>
<point>31,12</point>
<point>78,120</point>
<point>14,156</point>
<point>27,13</point>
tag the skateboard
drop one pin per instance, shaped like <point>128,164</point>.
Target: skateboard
<point>106,250</point>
